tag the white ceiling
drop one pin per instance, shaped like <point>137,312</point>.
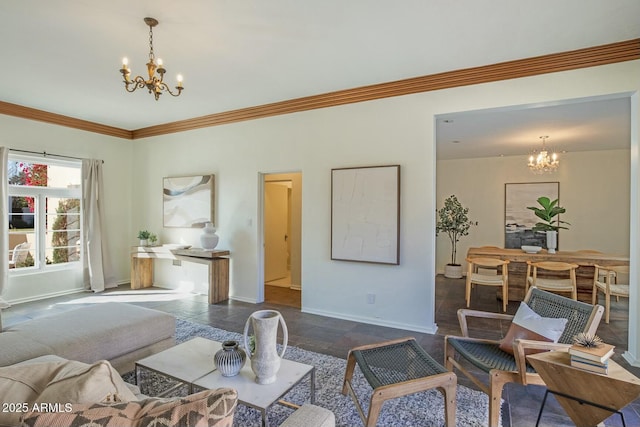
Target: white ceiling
<point>63,56</point>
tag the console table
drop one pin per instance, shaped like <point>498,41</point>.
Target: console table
<point>142,258</point>
<point>518,266</point>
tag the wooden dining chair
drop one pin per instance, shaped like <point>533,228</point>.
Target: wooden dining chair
<point>555,284</point>
<point>477,277</point>
<point>603,280</point>
<point>595,252</point>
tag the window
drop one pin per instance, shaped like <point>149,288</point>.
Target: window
<point>44,213</point>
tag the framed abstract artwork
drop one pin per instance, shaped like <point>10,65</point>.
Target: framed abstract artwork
<point>365,214</point>
<point>188,201</point>
<point>518,220</point>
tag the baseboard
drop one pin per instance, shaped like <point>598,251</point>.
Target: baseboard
<point>45,296</point>
<point>373,321</point>
<point>243,299</point>
<point>633,361</point>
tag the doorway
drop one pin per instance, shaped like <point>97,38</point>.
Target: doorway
<point>282,215</point>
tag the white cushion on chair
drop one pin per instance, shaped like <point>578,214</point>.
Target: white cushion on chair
<point>527,324</point>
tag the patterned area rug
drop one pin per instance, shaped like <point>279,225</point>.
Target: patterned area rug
<point>420,409</point>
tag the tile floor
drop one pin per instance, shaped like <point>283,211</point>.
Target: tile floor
<point>336,336</point>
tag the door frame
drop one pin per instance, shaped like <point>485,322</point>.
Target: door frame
<point>260,230</point>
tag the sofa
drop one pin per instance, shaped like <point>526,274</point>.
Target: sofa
<point>64,369</point>
<point>118,332</point>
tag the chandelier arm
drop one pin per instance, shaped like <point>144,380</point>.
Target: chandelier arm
<point>163,86</point>
<point>137,83</point>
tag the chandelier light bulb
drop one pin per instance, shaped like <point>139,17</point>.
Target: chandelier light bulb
<point>159,62</point>
<point>125,62</point>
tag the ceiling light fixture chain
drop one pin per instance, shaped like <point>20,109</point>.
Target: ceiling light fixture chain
<point>154,84</point>
<point>541,162</point>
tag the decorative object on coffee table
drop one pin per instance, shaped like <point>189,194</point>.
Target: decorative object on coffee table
<point>230,359</point>
<point>209,238</point>
<point>265,360</point>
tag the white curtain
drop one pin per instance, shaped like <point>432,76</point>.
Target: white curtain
<point>97,270</point>
<point>4,226</point>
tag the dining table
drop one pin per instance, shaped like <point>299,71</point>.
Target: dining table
<point>586,260</point>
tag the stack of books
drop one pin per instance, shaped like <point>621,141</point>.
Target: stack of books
<point>594,359</point>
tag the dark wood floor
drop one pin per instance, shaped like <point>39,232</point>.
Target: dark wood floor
<point>336,336</point>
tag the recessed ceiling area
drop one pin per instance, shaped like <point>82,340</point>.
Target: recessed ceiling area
<point>64,56</point>
<point>602,123</point>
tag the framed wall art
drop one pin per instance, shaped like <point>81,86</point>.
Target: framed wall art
<point>188,201</point>
<point>365,214</point>
<point>518,220</point>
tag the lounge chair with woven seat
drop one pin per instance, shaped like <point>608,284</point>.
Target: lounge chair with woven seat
<point>485,356</point>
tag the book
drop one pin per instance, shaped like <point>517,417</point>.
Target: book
<point>597,354</point>
<point>588,365</point>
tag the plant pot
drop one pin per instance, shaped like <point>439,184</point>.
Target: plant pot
<point>453,271</point>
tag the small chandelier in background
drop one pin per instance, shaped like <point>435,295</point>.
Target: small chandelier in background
<point>154,84</point>
<point>541,162</point>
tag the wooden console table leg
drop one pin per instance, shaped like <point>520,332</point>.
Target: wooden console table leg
<point>218,280</point>
<point>141,272</point>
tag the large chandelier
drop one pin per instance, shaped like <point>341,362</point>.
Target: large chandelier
<point>541,162</point>
<point>155,83</point>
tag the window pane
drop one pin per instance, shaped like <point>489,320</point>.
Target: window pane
<point>21,249</point>
<point>21,213</point>
<point>42,175</point>
<point>63,230</point>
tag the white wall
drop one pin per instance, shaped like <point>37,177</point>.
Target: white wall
<point>594,188</point>
<point>390,131</point>
<point>36,136</point>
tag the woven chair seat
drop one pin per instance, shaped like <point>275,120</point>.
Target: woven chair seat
<point>621,290</point>
<point>485,356</point>
<point>395,363</point>
<point>486,279</point>
<point>554,284</point>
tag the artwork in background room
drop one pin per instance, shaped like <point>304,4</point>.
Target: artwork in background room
<point>365,214</point>
<point>519,220</point>
<point>188,201</point>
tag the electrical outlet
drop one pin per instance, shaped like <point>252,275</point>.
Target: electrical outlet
<point>177,262</point>
<point>371,298</point>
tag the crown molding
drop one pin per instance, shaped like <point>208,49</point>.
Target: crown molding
<point>582,58</point>
<point>58,119</point>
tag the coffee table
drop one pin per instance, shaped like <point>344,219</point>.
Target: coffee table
<point>184,363</point>
<point>191,363</point>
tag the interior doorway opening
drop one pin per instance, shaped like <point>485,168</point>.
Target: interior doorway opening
<point>282,216</point>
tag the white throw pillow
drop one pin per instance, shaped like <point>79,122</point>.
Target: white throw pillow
<point>529,325</point>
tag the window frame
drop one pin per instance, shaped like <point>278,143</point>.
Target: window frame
<point>40,194</point>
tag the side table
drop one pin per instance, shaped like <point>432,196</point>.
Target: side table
<point>588,397</point>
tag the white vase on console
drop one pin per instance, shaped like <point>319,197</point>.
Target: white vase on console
<point>552,241</point>
<point>209,238</point>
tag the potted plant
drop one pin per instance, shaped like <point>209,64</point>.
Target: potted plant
<point>153,239</point>
<point>454,221</point>
<point>550,225</point>
<point>143,236</point>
